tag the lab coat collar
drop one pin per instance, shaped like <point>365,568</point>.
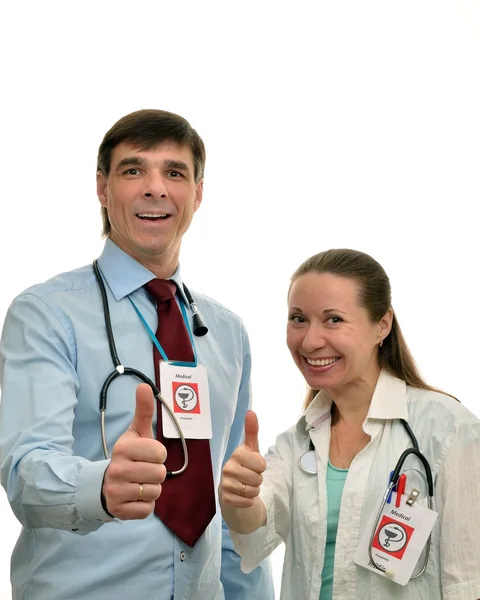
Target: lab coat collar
<point>124,275</point>
<point>389,401</point>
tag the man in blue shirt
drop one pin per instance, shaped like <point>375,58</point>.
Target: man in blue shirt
<point>89,530</point>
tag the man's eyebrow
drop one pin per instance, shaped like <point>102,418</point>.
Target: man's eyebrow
<point>137,161</point>
<point>176,164</point>
<point>131,161</point>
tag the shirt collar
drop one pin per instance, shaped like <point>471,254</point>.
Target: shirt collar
<point>389,401</point>
<point>124,275</point>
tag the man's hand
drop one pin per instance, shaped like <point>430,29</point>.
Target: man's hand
<point>137,460</point>
<point>242,474</point>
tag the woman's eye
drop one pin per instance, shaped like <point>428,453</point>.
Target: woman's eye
<point>334,320</point>
<point>297,319</point>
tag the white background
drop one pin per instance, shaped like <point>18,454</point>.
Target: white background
<point>347,124</point>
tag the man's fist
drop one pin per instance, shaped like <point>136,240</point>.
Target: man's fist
<point>133,479</point>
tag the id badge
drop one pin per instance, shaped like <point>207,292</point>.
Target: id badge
<point>185,390</point>
<point>400,537</point>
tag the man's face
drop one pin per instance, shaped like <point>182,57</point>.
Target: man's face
<point>150,196</point>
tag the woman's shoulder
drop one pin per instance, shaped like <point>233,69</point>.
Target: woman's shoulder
<point>439,406</point>
<point>440,423</point>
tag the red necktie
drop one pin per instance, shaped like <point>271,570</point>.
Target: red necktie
<point>187,502</point>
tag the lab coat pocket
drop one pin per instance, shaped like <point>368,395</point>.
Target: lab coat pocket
<point>416,479</point>
<point>309,509</point>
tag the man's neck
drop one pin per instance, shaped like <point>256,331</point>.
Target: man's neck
<point>162,265</point>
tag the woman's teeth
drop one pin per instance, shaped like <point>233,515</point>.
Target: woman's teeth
<point>321,362</point>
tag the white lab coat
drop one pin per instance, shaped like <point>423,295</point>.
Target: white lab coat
<point>448,435</point>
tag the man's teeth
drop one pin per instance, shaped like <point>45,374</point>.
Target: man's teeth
<point>321,362</point>
<point>151,216</point>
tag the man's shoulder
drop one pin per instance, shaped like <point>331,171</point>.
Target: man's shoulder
<point>214,307</point>
<point>69,281</point>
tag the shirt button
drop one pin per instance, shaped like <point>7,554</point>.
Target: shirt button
<point>182,555</point>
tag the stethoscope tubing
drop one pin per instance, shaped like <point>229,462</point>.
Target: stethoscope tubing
<point>122,370</point>
<point>374,529</point>
<point>142,377</point>
<point>394,480</point>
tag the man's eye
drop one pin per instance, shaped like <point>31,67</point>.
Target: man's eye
<point>174,174</point>
<point>131,171</point>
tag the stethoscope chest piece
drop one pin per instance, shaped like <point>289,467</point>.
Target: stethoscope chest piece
<point>308,462</point>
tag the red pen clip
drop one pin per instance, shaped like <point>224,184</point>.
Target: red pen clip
<point>401,485</point>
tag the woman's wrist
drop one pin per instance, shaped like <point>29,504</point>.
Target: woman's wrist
<point>245,520</point>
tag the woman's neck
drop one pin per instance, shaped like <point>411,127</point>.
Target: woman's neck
<point>352,402</point>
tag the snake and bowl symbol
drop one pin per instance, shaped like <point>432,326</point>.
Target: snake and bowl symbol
<point>186,397</point>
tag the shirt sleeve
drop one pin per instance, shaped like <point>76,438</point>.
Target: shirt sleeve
<point>257,584</point>
<point>47,486</point>
<point>458,486</point>
<point>276,494</point>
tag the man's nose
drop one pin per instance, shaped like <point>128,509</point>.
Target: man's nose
<point>155,186</point>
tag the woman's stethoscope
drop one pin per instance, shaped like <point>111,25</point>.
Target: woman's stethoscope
<point>308,463</point>
<point>199,330</point>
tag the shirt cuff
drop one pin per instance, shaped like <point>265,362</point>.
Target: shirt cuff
<point>88,491</point>
<point>254,547</point>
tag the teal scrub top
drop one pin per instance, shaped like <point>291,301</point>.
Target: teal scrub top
<point>335,482</point>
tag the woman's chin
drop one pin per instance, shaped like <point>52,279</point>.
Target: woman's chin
<point>323,383</point>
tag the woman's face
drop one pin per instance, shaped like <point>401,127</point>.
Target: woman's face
<point>330,336</point>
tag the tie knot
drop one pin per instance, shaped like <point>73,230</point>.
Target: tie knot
<point>161,290</point>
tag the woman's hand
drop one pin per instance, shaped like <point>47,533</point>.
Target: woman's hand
<point>242,477</point>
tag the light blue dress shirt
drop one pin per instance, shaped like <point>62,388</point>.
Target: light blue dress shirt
<point>54,358</point>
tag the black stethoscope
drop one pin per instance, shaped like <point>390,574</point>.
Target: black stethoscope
<point>199,329</point>
<point>308,464</point>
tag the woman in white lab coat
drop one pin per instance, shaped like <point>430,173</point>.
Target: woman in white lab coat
<point>344,337</point>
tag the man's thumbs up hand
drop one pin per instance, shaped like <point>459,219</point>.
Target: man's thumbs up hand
<point>144,412</point>
<point>132,481</point>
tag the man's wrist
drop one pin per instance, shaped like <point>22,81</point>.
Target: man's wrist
<point>103,500</point>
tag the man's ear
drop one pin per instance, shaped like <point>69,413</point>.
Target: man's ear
<point>198,195</point>
<point>102,188</point>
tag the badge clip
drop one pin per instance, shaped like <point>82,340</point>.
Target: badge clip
<point>413,497</point>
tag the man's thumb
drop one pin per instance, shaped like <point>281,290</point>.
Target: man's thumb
<point>251,431</point>
<point>144,411</point>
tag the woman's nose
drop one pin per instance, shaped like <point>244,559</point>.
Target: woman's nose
<point>314,339</point>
